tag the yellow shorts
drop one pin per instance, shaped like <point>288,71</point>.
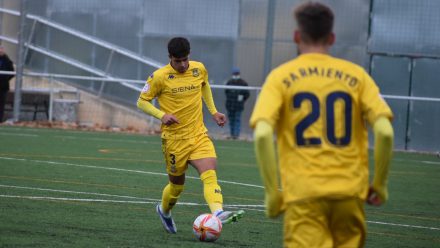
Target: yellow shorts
<point>178,152</point>
<point>325,223</point>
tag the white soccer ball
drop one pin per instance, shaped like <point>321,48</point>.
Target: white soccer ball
<point>207,227</point>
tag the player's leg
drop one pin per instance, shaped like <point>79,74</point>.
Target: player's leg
<point>203,158</point>
<point>306,225</point>
<point>348,223</point>
<point>170,195</point>
<point>176,157</point>
<point>211,189</point>
<point>171,192</point>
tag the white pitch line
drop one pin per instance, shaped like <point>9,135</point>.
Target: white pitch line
<point>82,138</point>
<point>403,225</point>
<point>77,192</point>
<point>429,162</point>
<point>119,169</point>
<point>19,134</point>
<point>18,159</point>
<point>123,196</point>
<point>82,165</point>
<point>114,201</point>
<point>241,184</point>
<point>417,161</point>
<point>115,140</point>
<point>74,199</point>
<point>243,208</point>
<point>181,203</point>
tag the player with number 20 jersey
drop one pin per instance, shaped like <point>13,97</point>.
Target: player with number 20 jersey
<point>308,97</point>
<point>319,107</point>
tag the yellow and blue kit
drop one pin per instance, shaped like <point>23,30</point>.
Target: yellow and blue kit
<point>179,94</point>
<point>319,109</point>
<point>319,106</point>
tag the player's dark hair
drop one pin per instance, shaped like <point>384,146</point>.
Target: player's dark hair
<point>315,21</point>
<point>178,47</point>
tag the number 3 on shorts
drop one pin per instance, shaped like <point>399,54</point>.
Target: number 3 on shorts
<point>172,159</point>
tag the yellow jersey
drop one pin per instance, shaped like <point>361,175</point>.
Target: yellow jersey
<point>319,106</point>
<point>179,94</point>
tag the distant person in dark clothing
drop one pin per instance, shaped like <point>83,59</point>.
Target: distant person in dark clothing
<point>235,99</point>
<point>5,65</point>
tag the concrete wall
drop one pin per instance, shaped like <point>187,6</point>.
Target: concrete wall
<point>93,111</point>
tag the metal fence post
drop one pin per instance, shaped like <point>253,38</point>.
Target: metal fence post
<point>20,62</point>
<point>51,99</point>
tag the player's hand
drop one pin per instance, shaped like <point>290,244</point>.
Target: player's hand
<point>274,204</point>
<point>169,119</point>
<point>219,118</point>
<point>374,197</point>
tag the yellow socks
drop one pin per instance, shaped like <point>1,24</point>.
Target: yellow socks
<point>212,191</point>
<point>170,195</point>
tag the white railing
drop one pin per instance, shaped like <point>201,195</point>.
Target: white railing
<point>137,84</point>
<point>214,86</point>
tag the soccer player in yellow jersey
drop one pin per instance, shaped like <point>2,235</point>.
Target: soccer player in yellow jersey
<point>319,107</point>
<point>179,88</point>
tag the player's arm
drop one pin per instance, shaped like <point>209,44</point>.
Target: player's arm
<point>383,150</point>
<point>151,89</point>
<point>266,159</point>
<point>208,99</point>
<point>148,108</point>
<point>378,114</point>
<point>206,92</point>
<point>218,117</point>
